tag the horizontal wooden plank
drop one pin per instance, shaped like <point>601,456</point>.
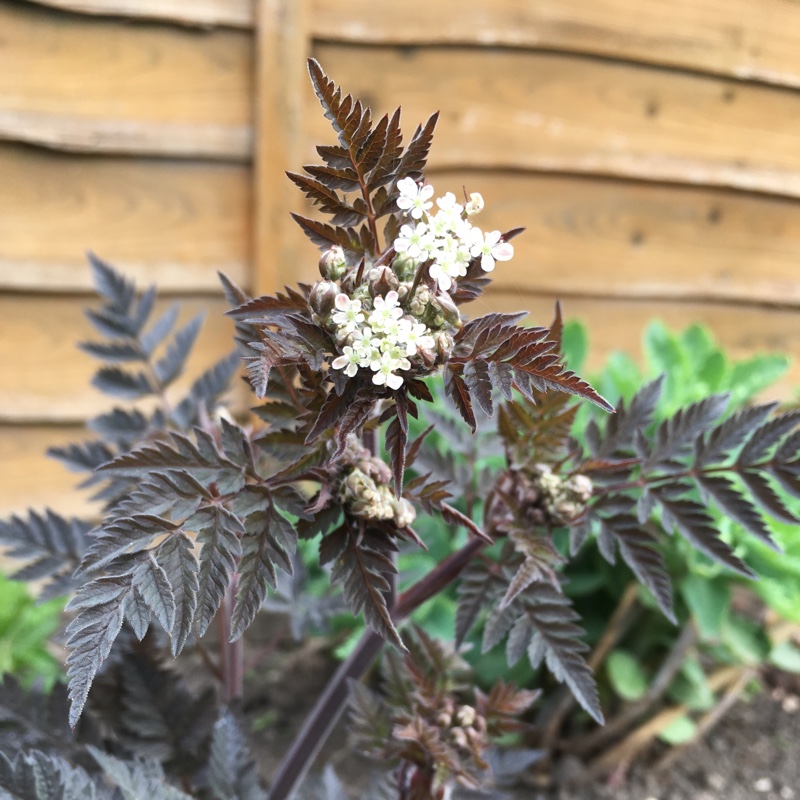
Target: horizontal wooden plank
<point>44,377</point>
<point>543,111</point>
<point>730,37</point>
<point>619,238</point>
<point>171,222</point>
<point>29,479</point>
<point>79,83</point>
<point>614,325</point>
<point>231,13</point>
<point>629,239</point>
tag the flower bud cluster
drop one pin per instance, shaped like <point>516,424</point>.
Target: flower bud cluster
<point>540,496</point>
<point>447,238</point>
<point>564,500</point>
<point>365,489</point>
<point>463,726</point>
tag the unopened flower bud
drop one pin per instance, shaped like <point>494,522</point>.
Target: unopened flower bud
<point>378,470</point>
<point>466,715</point>
<point>428,354</point>
<point>580,487</point>
<point>444,345</point>
<point>566,511</point>
<point>420,301</point>
<point>404,266</point>
<point>475,204</point>
<point>382,281</point>
<point>322,297</point>
<point>444,720</point>
<point>332,263</point>
<point>460,737</point>
<point>362,293</point>
<point>448,309</point>
<point>403,290</point>
<point>404,512</point>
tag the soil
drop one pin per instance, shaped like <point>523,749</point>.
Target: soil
<point>753,753</point>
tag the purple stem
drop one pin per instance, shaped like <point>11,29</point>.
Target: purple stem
<point>325,714</point>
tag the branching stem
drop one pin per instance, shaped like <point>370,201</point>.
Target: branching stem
<point>329,706</point>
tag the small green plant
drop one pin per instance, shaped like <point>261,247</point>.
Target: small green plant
<point>720,622</point>
<point>203,515</point>
<point>26,628</point>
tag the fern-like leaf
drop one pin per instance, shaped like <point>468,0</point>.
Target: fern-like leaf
<point>361,564</point>
<point>232,773</point>
<point>100,605</point>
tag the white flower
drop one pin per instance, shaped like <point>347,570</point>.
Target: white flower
<point>439,271</point>
<point>350,361</point>
<point>475,204</point>
<point>415,335</point>
<point>448,204</point>
<point>366,345</point>
<point>349,316</point>
<point>414,242</point>
<point>414,199</point>
<point>385,312</point>
<point>384,369</point>
<point>489,247</point>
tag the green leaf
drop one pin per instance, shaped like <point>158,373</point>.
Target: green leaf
<point>786,656</point>
<point>696,341</point>
<point>626,675</point>
<point>575,345</point>
<point>708,601</point>
<point>691,687</point>
<point>679,731</point>
<point>750,377</point>
<point>746,641</point>
<point>661,348</point>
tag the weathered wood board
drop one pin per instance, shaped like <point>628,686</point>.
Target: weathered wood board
<point>171,222</point>
<point>74,82</point>
<point>730,37</point>
<point>739,38</point>
<point>525,110</point>
<point>44,377</point>
<point>610,237</point>
<point>233,13</point>
<point>29,479</point>
<point>614,324</point>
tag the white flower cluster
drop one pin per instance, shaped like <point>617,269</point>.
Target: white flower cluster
<point>382,339</point>
<point>447,238</point>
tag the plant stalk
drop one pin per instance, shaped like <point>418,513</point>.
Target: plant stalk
<point>231,653</point>
<point>325,714</point>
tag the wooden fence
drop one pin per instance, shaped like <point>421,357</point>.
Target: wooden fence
<point>650,147</point>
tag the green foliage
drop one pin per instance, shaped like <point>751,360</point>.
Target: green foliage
<point>25,632</point>
<point>694,368</point>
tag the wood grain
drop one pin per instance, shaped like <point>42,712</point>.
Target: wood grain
<point>627,239</point>
<point>44,377</point>
<point>542,111</point>
<point>171,222</point>
<point>613,325</point>
<point>738,38</point>
<point>29,479</point>
<point>608,237</point>
<point>232,13</point>
<point>282,49</point>
<point>79,83</point>
<point>729,37</point>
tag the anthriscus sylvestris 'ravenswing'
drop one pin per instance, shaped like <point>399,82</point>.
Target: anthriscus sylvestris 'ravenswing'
<point>203,514</point>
